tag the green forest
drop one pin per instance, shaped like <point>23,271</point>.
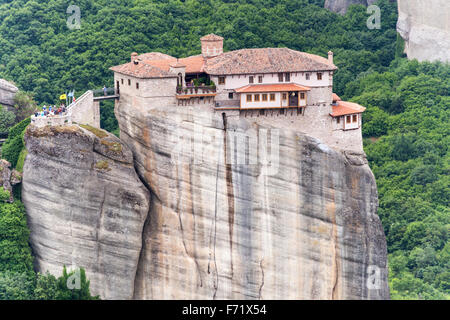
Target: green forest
<point>406,125</point>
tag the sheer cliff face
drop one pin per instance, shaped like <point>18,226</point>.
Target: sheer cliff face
<point>341,6</point>
<point>86,206</point>
<point>425,27</point>
<point>224,224</point>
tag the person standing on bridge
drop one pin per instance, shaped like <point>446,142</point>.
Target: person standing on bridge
<point>105,90</point>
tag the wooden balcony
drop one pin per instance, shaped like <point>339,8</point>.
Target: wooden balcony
<point>196,92</point>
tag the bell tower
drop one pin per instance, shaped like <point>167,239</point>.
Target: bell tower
<point>212,45</point>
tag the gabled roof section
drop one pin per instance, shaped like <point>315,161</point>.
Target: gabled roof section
<point>142,70</point>
<point>154,56</point>
<point>281,87</point>
<point>336,97</point>
<point>268,60</point>
<point>344,108</point>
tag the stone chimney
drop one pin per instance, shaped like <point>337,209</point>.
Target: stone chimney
<point>134,56</point>
<point>330,57</point>
<point>178,69</point>
<point>212,45</point>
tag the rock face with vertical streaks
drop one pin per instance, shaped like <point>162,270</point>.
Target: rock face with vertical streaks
<point>244,210</point>
<point>86,206</point>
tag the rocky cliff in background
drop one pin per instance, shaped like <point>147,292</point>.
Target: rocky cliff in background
<point>303,227</point>
<point>425,27</point>
<point>341,6</point>
<point>85,205</point>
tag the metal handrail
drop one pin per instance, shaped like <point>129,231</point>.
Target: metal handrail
<point>109,92</point>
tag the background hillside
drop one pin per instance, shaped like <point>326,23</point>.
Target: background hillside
<point>406,126</point>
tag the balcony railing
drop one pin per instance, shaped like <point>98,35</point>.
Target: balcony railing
<point>103,93</point>
<point>197,90</point>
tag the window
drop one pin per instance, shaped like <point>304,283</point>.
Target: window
<point>349,119</point>
<point>355,118</point>
<point>230,95</point>
<point>264,97</point>
<point>287,77</point>
<point>319,76</point>
<point>249,98</point>
<point>280,77</point>
<point>307,76</point>
<point>261,112</point>
<point>256,97</point>
<point>284,96</point>
<point>302,96</point>
<point>221,80</point>
<point>338,120</point>
<point>251,79</point>
<point>260,79</point>
<point>129,82</point>
<point>137,85</point>
<point>121,80</point>
<point>272,97</point>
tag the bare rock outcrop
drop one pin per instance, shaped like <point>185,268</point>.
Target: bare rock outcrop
<point>9,178</point>
<point>425,27</point>
<point>7,93</point>
<point>242,210</point>
<point>85,205</point>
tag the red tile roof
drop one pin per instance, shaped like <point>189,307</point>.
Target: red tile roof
<point>345,108</point>
<point>142,70</point>
<point>245,61</point>
<point>268,60</point>
<point>281,87</point>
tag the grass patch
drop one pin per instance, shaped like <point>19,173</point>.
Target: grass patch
<point>98,132</point>
<point>102,165</point>
<point>112,146</point>
<point>21,160</point>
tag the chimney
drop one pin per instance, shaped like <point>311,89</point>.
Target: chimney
<point>212,45</point>
<point>134,56</point>
<point>330,57</point>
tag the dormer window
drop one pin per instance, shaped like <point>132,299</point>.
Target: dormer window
<point>251,79</point>
<point>287,77</point>
<point>280,77</point>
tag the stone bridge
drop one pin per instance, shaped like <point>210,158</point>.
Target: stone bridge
<point>85,110</point>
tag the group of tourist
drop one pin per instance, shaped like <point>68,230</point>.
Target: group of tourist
<point>50,111</point>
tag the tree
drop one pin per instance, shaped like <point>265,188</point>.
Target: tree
<point>24,105</point>
<point>7,119</point>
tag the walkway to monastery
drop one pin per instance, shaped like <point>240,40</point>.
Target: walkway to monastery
<point>86,110</point>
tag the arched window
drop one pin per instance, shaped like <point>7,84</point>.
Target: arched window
<point>180,80</point>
